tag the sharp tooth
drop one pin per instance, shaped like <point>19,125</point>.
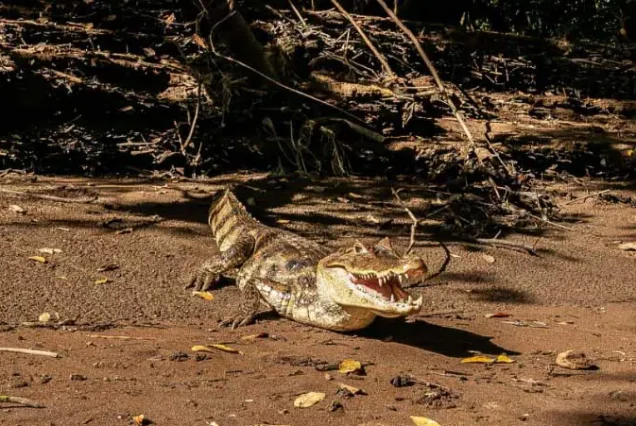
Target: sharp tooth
<point>409,301</point>
<point>419,300</point>
<point>400,278</point>
<point>381,282</point>
<point>392,298</point>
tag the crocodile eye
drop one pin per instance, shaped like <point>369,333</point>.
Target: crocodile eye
<point>296,264</point>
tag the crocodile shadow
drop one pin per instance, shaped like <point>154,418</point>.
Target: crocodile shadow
<point>447,341</point>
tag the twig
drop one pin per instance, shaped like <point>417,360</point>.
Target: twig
<point>297,12</point>
<point>438,313</point>
<point>507,244</point>
<point>413,218</point>
<point>186,143</point>
<point>49,197</point>
<point>441,269</point>
<point>271,80</point>
<point>369,43</point>
<point>107,336</point>
<point>433,72</point>
<point>21,401</point>
<point>31,352</point>
<point>584,199</point>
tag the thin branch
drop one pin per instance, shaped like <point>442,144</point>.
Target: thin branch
<point>433,72</point>
<point>369,43</point>
<point>31,352</point>
<point>507,244</point>
<point>186,143</point>
<point>271,80</point>
<point>413,218</point>
<point>49,197</point>
<point>21,401</point>
<point>441,269</point>
<point>297,12</point>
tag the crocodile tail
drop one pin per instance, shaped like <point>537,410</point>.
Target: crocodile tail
<point>226,213</point>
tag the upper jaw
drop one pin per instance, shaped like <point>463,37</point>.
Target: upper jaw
<point>383,293</point>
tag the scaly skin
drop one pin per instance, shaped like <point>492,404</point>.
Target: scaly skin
<point>301,279</point>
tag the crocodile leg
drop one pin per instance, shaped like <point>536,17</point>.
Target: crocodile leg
<point>251,300</point>
<point>210,272</point>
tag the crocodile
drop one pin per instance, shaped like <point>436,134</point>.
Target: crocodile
<point>302,280</point>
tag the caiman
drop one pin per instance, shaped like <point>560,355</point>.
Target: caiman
<point>302,280</point>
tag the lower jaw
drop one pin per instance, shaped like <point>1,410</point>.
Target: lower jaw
<point>388,314</point>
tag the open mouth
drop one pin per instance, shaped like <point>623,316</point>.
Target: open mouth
<point>388,285</point>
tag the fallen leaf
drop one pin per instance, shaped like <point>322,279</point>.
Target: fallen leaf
<point>218,346</point>
<point>102,280</point>
<point>140,420</point>
<point>38,259</point>
<point>16,209</point>
<point>309,399</point>
<point>44,317</point>
<point>574,361</point>
<point>206,295</point>
<point>498,315</point>
<point>504,359</point>
<point>351,389</point>
<point>199,41</point>
<point>478,360</point>
<point>47,250</point>
<point>628,246</point>
<point>261,335</point>
<point>488,258</point>
<point>169,19</point>
<point>350,366</point>
<point>424,421</point>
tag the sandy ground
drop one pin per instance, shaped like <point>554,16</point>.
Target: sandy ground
<point>579,294</point>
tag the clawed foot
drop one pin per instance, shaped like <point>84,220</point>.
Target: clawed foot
<point>237,321</point>
<point>202,280</point>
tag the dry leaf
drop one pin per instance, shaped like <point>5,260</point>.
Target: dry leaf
<point>218,346</point>
<point>16,209</point>
<point>351,389</point>
<point>309,399</point>
<point>44,317</point>
<point>261,335</point>
<point>488,258</point>
<point>47,250</point>
<point>283,221</point>
<point>169,19</point>
<point>478,360</point>
<point>628,246</point>
<point>102,280</point>
<point>350,366</point>
<point>140,420</point>
<point>38,259</point>
<point>424,421</point>
<point>199,41</point>
<point>504,359</point>
<point>206,295</point>
<point>498,315</point>
<point>574,361</point>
